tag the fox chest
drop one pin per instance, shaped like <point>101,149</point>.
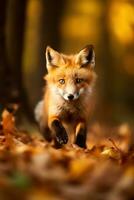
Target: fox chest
<point>67,112</point>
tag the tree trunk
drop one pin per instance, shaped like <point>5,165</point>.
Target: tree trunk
<point>6,80</point>
<point>15,39</point>
<point>42,29</point>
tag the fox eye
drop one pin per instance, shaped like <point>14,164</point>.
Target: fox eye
<point>79,80</point>
<point>62,81</point>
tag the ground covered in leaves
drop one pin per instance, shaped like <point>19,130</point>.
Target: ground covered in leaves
<point>34,170</point>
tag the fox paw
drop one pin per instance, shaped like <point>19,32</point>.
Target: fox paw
<point>81,141</point>
<point>62,137</point>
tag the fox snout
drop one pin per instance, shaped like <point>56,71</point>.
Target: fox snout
<point>71,95</point>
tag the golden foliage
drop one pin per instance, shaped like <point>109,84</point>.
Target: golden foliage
<point>33,169</point>
<point>122,21</point>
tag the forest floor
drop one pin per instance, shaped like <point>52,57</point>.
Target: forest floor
<point>32,169</point>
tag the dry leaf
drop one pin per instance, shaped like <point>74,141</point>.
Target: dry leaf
<point>33,169</point>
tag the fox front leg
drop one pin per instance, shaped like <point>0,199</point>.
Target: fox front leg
<point>60,134</point>
<point>81,134</point>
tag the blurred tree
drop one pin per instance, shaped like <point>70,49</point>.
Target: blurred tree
<point>52,21</point>
<point>106,60</point>
<point>42,29</point>
<point>15,38</point>
<point>6,81</point>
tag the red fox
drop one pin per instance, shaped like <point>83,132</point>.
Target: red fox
<point>68,98</point>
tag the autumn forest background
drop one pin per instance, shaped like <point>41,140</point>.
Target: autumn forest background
<point>30,167</point>
<point>28,26</point>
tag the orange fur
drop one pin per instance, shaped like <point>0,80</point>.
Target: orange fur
<point>67,75</point>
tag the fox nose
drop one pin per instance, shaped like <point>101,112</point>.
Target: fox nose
<point>70,96</point>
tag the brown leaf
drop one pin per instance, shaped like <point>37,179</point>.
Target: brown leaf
<point>9,129</point>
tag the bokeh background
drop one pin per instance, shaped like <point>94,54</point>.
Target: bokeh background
<point>28,26</point>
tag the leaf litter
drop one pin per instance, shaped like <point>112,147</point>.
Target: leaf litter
<point>32,169</point>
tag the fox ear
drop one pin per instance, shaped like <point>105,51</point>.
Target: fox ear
<point>53,58</point>
<point>86,57</point>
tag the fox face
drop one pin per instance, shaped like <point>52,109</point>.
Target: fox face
<point>71,76</point>
<point>71,87</point>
